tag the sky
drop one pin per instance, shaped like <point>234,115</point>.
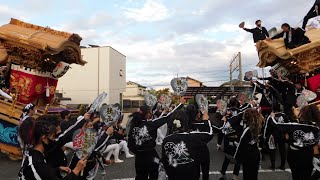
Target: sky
<point>163,39</point>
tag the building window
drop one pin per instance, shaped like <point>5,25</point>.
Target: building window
<point>142,103</point>
<point>135,104</point>
<point>121,73</point>
<point>126,103</point>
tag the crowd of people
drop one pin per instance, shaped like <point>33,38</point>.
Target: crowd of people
<point>48,140</point>
<point>247,131</point>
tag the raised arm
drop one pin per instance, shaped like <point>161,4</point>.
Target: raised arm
<point>66,136</point>
<point>248,30</point>
<point>259,87</point>
<point>158,122</point>
<point>280,35</point>
<point>103,140</point>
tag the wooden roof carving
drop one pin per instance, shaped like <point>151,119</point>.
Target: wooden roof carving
<point>36,43</point>
<point>300,60</point>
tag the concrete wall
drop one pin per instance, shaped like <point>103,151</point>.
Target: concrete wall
<point>117,83</point>
<point>102,73</point>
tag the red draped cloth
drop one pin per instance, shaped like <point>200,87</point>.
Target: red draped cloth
<point>314,83</point>
<point>31,84</point>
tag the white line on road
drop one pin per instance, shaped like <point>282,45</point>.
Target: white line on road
<point>260,171</point>
<point>230,172</point>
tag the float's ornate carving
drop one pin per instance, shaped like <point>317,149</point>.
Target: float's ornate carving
<point>305,58</point>
<point>39,49</point>
<point>72,37</point>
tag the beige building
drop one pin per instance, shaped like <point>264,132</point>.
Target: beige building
<point>105,71</point>
<point>133,97</point>
<point>236,83</point>
<point>194,83</point>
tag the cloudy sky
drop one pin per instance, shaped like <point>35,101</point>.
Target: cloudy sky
<point>163,38</point>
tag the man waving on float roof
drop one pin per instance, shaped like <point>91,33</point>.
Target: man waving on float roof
<point>259,33</point>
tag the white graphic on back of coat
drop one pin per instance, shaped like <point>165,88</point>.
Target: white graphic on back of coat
<point>303,138</point>
<point>141,135</point>
<point>177,153</point>
<point>279,119</point>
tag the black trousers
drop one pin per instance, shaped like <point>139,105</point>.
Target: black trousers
<point>220,138</point>
<point>225,165</point>
<point>251,166</point>
<point>147,165</point>
<point>310,15</point>
<point>205,163</point>
<point>300,162</point>
<point>282,150</point>
<point>316,175</point>
<point>230,150</point>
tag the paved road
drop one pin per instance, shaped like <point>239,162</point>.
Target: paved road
<point>9,169</point>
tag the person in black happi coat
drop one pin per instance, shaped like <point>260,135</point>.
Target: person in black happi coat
<point>258,33</point>
<point>199,125</point>
<point>181,150</point>
<point>142,141</point>
<point>293,37</point>
<point>232,129</point>
<point>40,134</point>
<point>274,136</point>
<point>301,138</point>
<point>247,152</point>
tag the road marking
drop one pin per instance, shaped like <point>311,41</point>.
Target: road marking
<point>230,172</point>
<point>260,171</point>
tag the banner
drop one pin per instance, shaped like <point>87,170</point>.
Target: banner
<point>32,84</point>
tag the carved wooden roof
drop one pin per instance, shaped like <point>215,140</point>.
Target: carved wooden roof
<point>22,42</point>
<point>300,60</point>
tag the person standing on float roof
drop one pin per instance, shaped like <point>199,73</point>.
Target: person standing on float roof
<point>259,32</point>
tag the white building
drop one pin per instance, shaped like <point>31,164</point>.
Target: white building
<point>105,71</point>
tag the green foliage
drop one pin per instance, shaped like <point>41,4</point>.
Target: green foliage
<point>159,92</point>
<point>191,101</point>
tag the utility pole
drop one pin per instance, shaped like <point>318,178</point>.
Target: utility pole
<point>236,65</point>
<point>231,71</point>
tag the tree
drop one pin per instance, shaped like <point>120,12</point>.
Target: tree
<point>152,91</point>
<point>191,101</point>
<point>162,91</point>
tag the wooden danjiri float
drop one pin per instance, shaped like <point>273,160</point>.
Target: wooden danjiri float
<point>301,63</point>
<point>35,57</point>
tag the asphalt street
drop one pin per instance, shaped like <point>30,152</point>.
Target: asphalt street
<point>126,170</point>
